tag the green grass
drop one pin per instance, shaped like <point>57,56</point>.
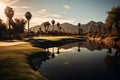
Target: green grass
<point>52,41</point>
<point>14,60</point>
<point>14,64</point>
<point>53,38</point>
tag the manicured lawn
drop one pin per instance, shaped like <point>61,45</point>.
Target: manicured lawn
<point>14,56</point>
<point>52,41</point>
<point>53,38</point>
<point>14,64</point>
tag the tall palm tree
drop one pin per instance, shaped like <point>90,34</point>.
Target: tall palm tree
<point>60,28</point>
<point>28,16</point>
<point>53,23</point>
<point>48,24</point>
<point>9,12</point>
<point>79,28</point>
<point>58,25</point>
<point>45,26</point>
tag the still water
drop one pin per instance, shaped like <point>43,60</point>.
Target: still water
<point>80,61</point>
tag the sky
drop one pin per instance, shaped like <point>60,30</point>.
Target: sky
<point>71,11</point>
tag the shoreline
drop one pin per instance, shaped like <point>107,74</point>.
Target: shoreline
<point>17,58</point>
<point>109,41</point>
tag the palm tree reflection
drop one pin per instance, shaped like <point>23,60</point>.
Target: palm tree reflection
<point>47,49</point>
<point>109,51</point>
<point>79,45</point>
<point>117,53</point>
<point>53,53</point>
<point>58,50</point>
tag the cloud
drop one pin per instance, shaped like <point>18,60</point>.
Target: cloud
<point>67,7</point>
<point>20,7</point>
<point>8,2</point>
<point>44,13</point>
<point>38,21</point>
<point>20,10</point>
<point>56,16</point>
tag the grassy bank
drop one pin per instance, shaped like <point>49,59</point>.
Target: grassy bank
<point>14,64</point>
<point>109,41</point>
<point>51,41</point>
<point>15,59</point>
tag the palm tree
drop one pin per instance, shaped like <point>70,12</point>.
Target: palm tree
<point>40,30</point>
<point>9,12</point>
<point>79,24</point>
<point>58,25</point>
<point>79,28</point>
<point>53,23</point>
<point>47,24</point>
<point>99,28</point>
<point>28,16</point>
<point>60,28</point>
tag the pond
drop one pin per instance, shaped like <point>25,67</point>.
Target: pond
<point>80,61</point>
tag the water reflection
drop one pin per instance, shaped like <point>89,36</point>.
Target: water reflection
<point>117,53</point>
<point>93,62</point>
<point>112,60</point>
<point>79,45</point>
<point>38,60</point>
<point>109,51</point>
<point>58,50</point>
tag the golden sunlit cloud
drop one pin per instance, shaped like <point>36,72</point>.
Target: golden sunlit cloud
<point>2,6</point>
<point>8,2</point>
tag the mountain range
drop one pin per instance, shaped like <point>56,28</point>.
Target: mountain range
<point>70,28</point>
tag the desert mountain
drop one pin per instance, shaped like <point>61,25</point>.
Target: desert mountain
<point>95,26</point>
<point>70,28</point>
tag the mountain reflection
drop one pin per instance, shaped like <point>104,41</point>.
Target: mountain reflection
<point>85,44</point>
<point>111,60</point>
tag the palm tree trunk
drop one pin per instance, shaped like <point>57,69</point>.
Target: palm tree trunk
<point>47,29</point>
<point>53,27</point>
<point>28,29</point>
<point>9,33</point>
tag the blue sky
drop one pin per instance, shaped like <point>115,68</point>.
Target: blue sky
<point>72,11</point>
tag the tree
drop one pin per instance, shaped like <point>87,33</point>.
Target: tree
<point>3,29</point>
<point>19,25</point>
<point>58,25</point>
<point>60,28</point>
<point>79,24</point>
<point>53,23</point>
<point>90,30</point>
<point>40,31</point>
<point>28,16</point>
<point>9,12</point>
<point>79,29</point>
<point>99,28</point>
<point>47,25</point>
<point>113,19</point>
